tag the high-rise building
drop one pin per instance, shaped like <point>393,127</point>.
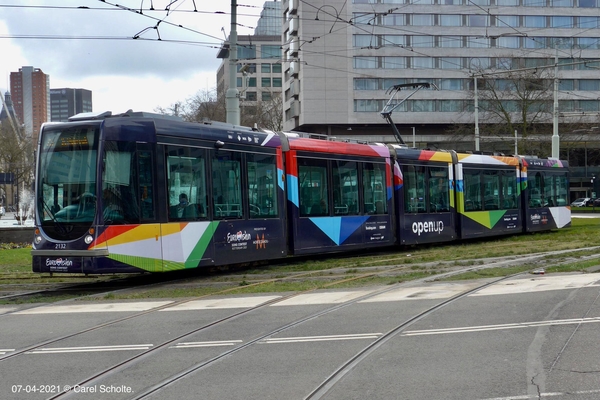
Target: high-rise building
<point>8,110</point>
<point>259,74</point>
<point>30,91</point>
<point>270,21</point>
<point>341,57</point>
<point>66,102</point>
<point>258,67</point>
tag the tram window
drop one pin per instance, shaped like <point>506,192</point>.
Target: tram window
<point>119,184</point>
<point>472,183</point>
<point>262,186</point>
<point>509,189</point>
<point>374,189</point>
<point>562,189</point>
<point>312,180</point>
<point>186,180</point>
<point>146,188</point>
<point>491,189</point>
<point>226,184</point>
<point>414,189</point>
<point>535,185</point>
<point>439,191</point>
<point>345,188</point>
<point>547,189</point>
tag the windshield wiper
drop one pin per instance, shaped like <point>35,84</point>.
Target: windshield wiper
<point>61,228</point>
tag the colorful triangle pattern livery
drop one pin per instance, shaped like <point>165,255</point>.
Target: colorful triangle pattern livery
<point>339,229</point>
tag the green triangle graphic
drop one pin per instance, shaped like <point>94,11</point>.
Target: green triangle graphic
<point>486,218</point>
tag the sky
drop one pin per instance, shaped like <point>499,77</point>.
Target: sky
<point>89,44</point>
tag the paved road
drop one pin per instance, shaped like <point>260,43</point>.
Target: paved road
<point>528,337</point>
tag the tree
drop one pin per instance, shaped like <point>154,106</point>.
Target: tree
<point>16,156</point>
<point>521,101</point>
<point>267,114</point>
<point>208,105</point>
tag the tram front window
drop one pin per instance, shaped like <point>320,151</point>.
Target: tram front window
<point>67,180</point>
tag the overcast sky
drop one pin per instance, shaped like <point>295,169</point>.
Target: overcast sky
<point>92,48</point>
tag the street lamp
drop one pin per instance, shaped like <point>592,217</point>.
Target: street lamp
<point>593,194</point>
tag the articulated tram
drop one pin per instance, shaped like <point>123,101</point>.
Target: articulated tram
<point>142,192</point>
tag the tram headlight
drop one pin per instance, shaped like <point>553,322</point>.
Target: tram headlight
<point>37,240</point>
<point>88,239</point>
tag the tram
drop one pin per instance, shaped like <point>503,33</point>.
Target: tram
<point>140,192</point>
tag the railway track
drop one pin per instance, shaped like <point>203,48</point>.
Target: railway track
<point>336,279</point>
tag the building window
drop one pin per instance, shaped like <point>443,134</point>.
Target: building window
<point>505,63</point>
<point>507,42</point>
<point>252,82</point>
<point>587,3</point>
<point>508,21</point>
<point>589,84</point>
<point>478,20</point>
<point>265,68</point>
<point>451,84</point>
<point>450,63</point>
<point>393,20</point>
<point>251,96</point>
<point>394,40</point>
<point>588,105</point>
<point>589,65</point>
<point>566,84</point>
<point>588,22</point>
<point>423,105</point>
<point>507,2</point>
<point>394,62</point>
<point>534,21</point>
<point>365,40</point>
<point>265,82</point>
<point>422,19</point>
<point>270,51</point>
<point>276,68</point>
<point>365,62</point>
<point>422,41</point>
<point>480,63</point>
<point>588,43</point>
<point>534,43</point>
<point>562,3</point>
<point>246,52</point>
<point>366,84</point>
<point>367,105</point>
<point>266,96</point>
<point>451,41</point>
<point>451,20</point>
<point>561,22</point>
<point>277,82</point>
<point>422,62</point>
<point>451,106</point>
<point>478,42</point>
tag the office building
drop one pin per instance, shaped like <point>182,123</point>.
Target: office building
<point>259,69</point>
<point>66,102</point>
<point>30,92</point>
<point>341,58</point>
